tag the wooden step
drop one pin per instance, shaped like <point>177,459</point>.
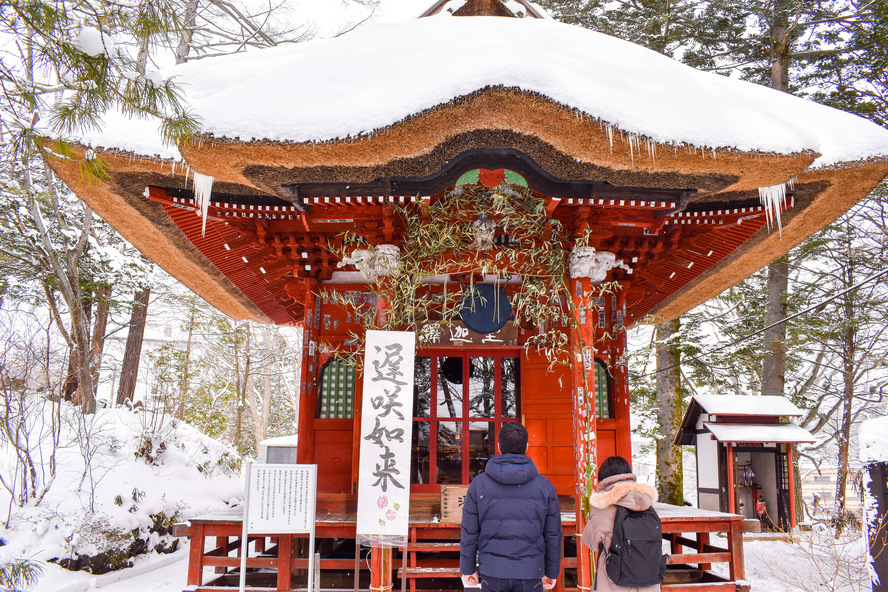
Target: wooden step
<point>429,572</point>
<point>431,547</point>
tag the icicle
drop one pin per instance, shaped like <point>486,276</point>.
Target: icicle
<point>610,136</point>
<point>772,198</point>
<point>631,152</point>
<point>203,188</point>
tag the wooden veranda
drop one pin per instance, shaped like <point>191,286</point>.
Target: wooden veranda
<point>699,541</point>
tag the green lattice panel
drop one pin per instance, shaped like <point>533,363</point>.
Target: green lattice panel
<point>337,400</point>
<point>602,407</point>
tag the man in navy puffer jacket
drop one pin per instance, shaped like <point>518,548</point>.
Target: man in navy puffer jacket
<point>511,522</point>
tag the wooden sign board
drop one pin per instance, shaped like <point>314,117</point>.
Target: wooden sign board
<point>457,333</point>
<point>452,499</point>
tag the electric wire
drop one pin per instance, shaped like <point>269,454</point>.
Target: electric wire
<point>820,304</point>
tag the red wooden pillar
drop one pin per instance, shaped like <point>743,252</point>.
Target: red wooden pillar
<point>196,556</point>
<point>380,569</point>
<point>737,567</point>
<point>306,292</point>
<point>285,561</point>
<point>582,360</point>
<point>731,501</point>
<point>791,484</point>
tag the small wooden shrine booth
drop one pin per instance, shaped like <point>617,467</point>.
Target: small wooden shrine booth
<point>540,183</point>
<point>744,455</point>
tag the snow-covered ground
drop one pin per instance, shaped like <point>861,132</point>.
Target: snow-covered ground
<point>771,566</point>
<point>194,475</point>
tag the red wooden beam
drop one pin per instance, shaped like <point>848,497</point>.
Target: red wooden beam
<point>791,484</point>
<point>730,455</point>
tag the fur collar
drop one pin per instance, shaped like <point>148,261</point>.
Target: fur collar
<point>614,493</point>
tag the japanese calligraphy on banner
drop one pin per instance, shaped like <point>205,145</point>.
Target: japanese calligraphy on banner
<point>456,333</point>
<point>386,438</point>
<point>281,498</point>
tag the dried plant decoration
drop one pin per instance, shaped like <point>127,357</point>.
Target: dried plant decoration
<point>441,238</point>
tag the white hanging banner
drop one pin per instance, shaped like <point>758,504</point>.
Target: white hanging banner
<point>386,439</point>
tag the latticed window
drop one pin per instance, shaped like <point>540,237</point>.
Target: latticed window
<point>336,399</point>
<point>603,388</point>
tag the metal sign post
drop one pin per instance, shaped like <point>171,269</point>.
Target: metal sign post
<point>280,499</point>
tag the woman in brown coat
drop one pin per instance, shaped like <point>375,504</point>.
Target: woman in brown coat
<point>616,487</point>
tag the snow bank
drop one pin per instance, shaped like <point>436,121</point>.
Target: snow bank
<point>873,438</point>
<point>132,478</point>
<point>379,74</point>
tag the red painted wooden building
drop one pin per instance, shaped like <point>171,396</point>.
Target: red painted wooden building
<point>651,219</point>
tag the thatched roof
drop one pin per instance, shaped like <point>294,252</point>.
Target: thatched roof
<point>404,100</point>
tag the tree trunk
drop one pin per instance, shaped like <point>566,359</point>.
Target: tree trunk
<point>80,323</point>
<point>102,297</point>
<point>774,363</point>
<point>183,387</point>
<point>72,381</point>
<point>780,45</point>
<point>132,355</point>
<point>239,416</point>
<point>669,467</point>
<point>189,21</point>
<point>848,359</point>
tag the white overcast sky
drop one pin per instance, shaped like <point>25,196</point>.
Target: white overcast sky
<point>331,15</point>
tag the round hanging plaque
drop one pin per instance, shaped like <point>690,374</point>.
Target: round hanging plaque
<point>485,309</point>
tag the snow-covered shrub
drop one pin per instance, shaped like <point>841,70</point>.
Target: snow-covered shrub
<point>29,413</point>
<point>827,560</point>
<point>134,503</point>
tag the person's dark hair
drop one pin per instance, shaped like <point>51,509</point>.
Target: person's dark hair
<point>615,465</point>
<point>513,438</point>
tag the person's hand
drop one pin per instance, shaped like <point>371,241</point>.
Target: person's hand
<point>548,583</point>
<point>470,580</point>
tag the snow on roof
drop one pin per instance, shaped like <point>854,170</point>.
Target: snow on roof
<point>380,74</point>
<point>292,440</point>
<point>757,432</point>
<point>747,405</point>
<point>873,438</point>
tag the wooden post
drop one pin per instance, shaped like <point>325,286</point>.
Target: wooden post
<point>285,561</point>
<point>582,358</point>
<point>790,479</point>
<point>308,378</point>
<point>380,569</point>
<point>702,543</point>
<point>196,556</point>
<point>731,502</point>
<point>222,543</point>
<point>735,545</point>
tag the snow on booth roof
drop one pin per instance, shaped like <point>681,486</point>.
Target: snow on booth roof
<point>873,438</point>
<point>380,74</point>
<point>757,432</point>
<point>747,405</point>
<point>740,405</point>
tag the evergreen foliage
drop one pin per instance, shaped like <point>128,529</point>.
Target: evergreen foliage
<point>18,576</point>
<point>67,64</point>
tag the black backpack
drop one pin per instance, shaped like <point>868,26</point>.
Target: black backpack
<point>635,557</point>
